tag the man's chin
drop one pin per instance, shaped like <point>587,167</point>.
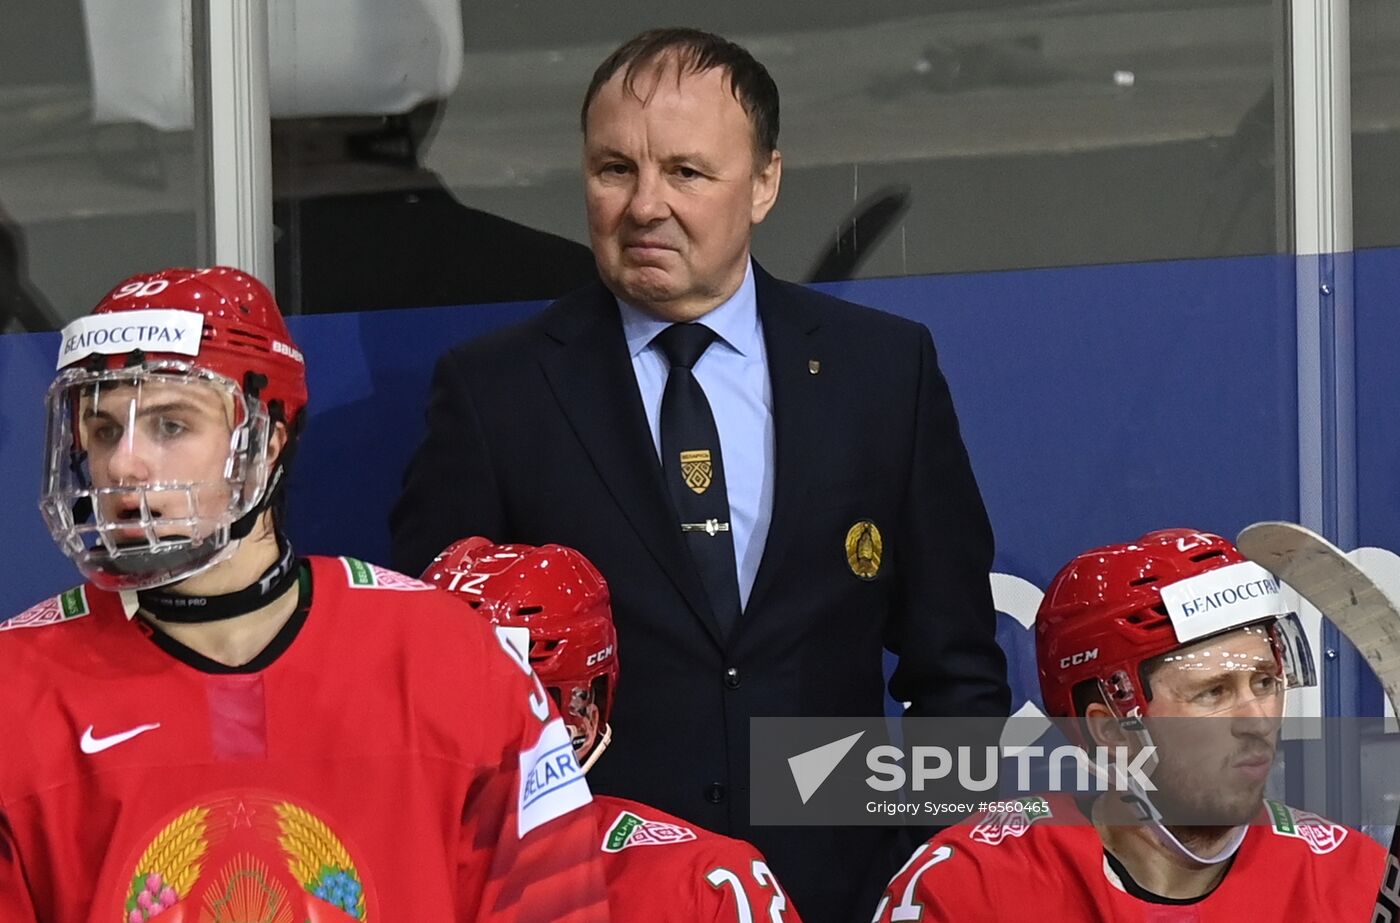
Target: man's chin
<point>1204,841</point>
<point>645,286</point>
<point>1222,812</point>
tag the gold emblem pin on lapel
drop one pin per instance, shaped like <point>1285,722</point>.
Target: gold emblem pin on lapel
<point>865,547</point>
<point>814,366</point>
<point>697,470</point>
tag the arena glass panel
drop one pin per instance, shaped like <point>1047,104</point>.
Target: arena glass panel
<point>918,138</point>
<point>1375,123</point>
<point>99,176</point>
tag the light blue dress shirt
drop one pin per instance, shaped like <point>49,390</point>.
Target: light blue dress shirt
<point>734,374</point>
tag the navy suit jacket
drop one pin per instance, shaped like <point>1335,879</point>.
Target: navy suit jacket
<point>537,434</point>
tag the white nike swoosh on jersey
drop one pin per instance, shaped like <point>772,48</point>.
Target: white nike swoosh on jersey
<point>90,744</point>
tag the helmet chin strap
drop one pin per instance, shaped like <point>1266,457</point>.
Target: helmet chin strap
<point>243,526</point>
<point>1141,801</point>
<point>598,748</point>
<point>185,609</point>
<point>276,580</point>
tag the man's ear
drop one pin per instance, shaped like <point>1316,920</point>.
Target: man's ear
<point>765,187</point>
<point>276,442</point>
<point>1105,729</point>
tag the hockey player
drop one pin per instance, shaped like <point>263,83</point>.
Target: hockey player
<point>552,602</point>
<point>214,729</point>
<point>1138,643</point>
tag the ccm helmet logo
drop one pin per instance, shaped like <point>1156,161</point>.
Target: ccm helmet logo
<point>1075,660</point>
<point>598,657</point>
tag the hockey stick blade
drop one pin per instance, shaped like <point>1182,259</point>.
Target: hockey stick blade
<point>1323,575</point>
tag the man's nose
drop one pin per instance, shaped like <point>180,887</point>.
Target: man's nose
<point>128,464</point>
<point>649,202</point>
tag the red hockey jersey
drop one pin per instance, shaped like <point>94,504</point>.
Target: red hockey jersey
<point>385,759</point>
<point>661,869</point>
<point>1050,865</point>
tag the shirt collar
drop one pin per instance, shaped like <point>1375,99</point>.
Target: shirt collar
<point>735,320</point>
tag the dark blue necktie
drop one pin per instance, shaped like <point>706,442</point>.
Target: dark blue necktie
<point>690,456</point>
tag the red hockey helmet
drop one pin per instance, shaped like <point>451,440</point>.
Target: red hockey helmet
<point>1112,609</point>
<point>243,331</point>
<point>130,493</point>
<point>558,596</point>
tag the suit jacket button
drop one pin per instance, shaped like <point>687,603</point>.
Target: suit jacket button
<point>714,793</point>
<point>731,678</point>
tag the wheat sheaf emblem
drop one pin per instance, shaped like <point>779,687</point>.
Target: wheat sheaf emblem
<point>170,866</point>
<point>319,860</point>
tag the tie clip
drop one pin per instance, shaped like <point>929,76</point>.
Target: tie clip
<point>709,526</point>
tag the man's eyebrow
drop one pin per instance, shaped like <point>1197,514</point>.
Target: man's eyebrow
<point>167,406</point>
<point>148,410</point>
<point>1204,680</point>
<point>691,157</point>
<point>608,153</point>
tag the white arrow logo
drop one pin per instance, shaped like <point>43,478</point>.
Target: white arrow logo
<point>90,744</point>
<point>811,769</point>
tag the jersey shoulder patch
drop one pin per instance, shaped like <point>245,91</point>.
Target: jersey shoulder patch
<point>363,576</point>
<point>631,829</point>
<point>995,829</point>
<point>1321,835</point>
<point>64,607</point>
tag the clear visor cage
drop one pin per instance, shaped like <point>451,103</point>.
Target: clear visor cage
<point>148,468</point>
<point>1230,671</point>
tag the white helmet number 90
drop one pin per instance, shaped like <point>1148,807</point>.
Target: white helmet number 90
<point>142,289</point>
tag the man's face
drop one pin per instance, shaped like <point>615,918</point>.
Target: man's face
<point>672,190</point>
<point>582,720</point>
<point>154,433</point>
<point>1217,707</point>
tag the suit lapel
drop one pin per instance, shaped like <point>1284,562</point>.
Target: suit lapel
<point>797,424</point>
<point>592,379</point>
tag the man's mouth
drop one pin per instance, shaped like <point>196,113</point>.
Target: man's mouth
<point>1254,766</point>
<point>648,246</point>
<point>133,514</point>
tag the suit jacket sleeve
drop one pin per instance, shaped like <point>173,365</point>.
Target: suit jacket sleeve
<point>944,624</point>
<point>450,489</point>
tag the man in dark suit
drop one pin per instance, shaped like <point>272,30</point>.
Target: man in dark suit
<point>772,480</point>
